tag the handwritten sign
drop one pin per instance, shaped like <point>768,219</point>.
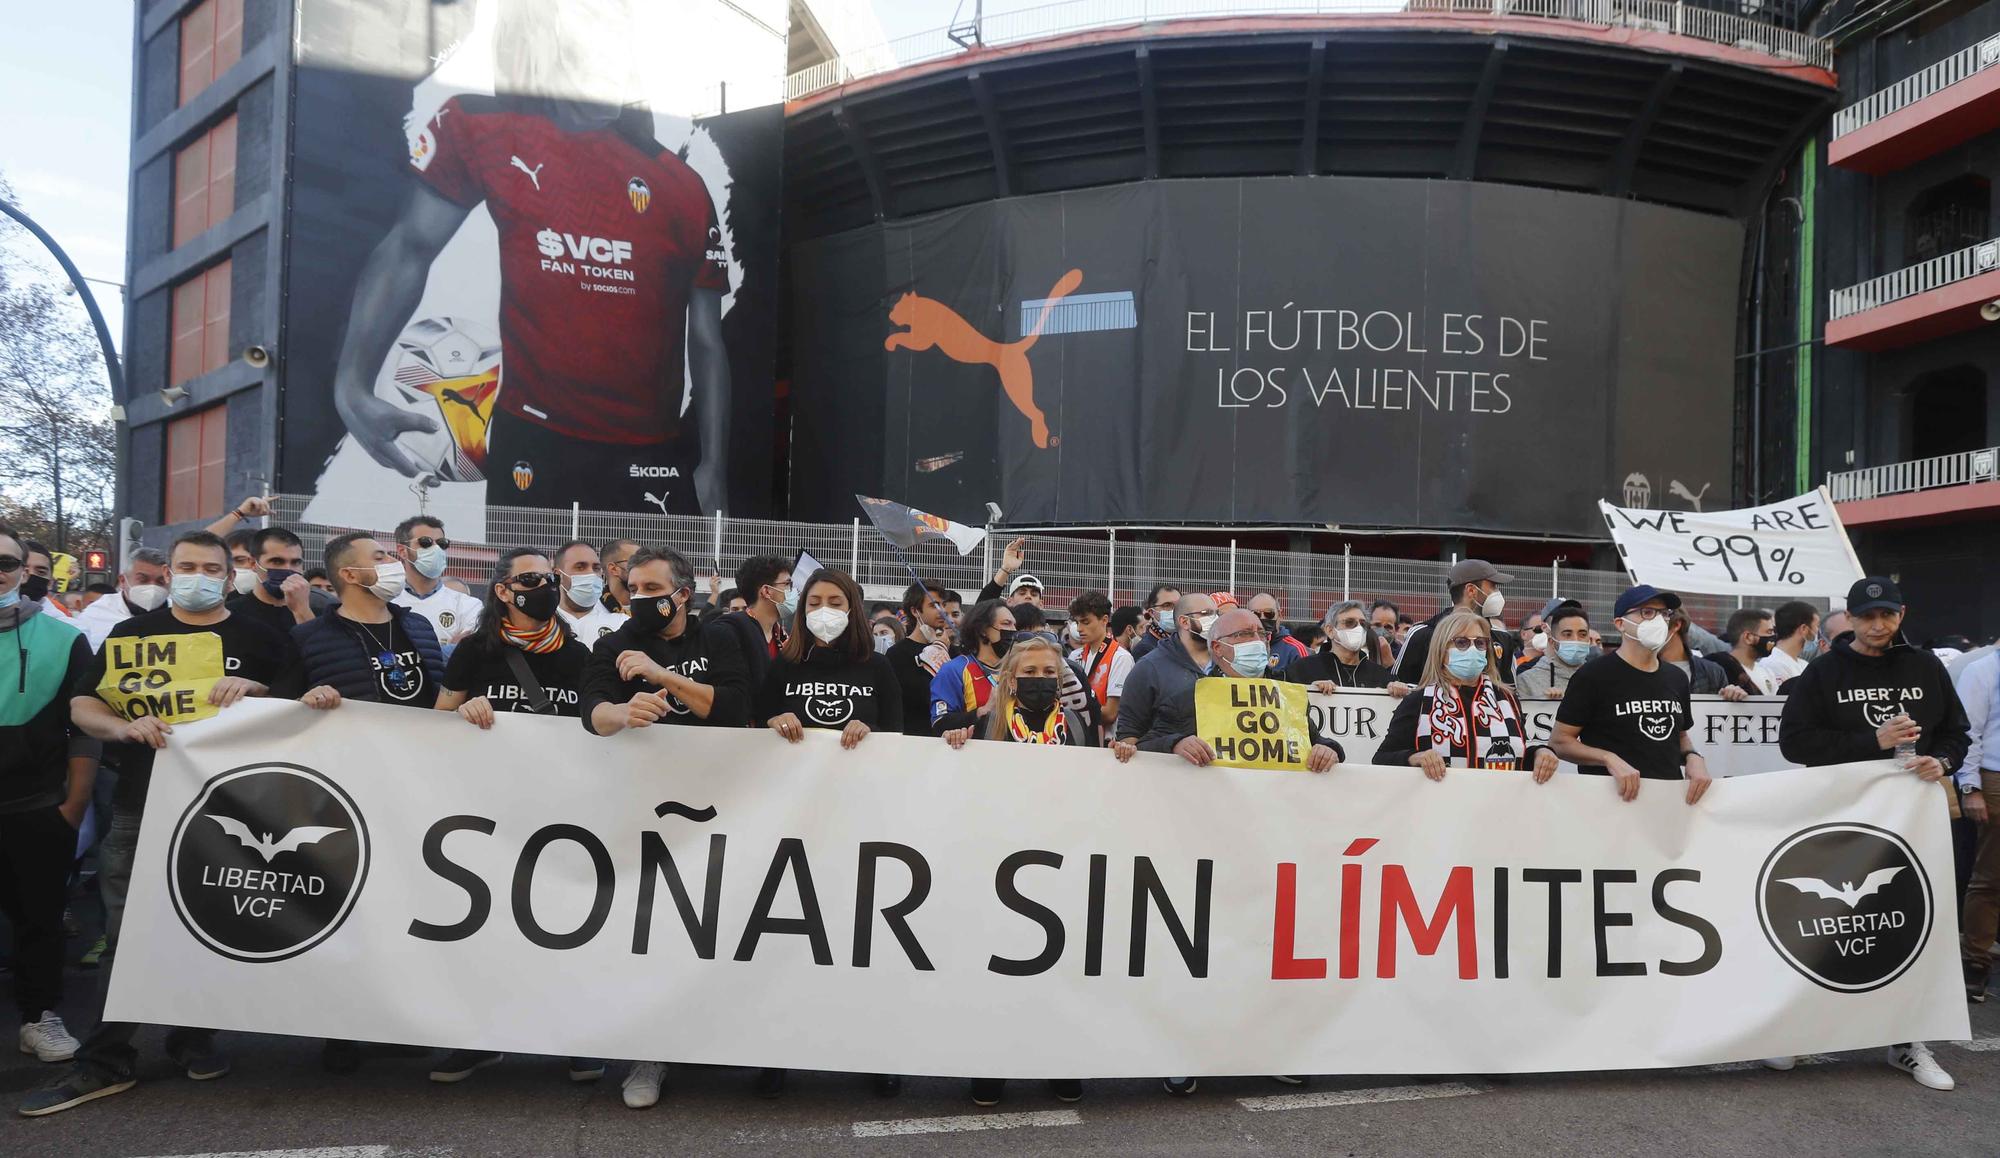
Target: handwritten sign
<point>1253,723</point>
<point>1795,549</point>
<point>168,676</point>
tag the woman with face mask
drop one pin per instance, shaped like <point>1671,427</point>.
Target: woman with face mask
<point>1025,711</point>
<point>887,632</point>
<point>1349,658</point>
<point>522,657</point>
<point>1462,716</point>
<point>962,691</point>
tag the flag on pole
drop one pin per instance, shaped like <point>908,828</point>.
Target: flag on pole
<point>804,567</point>
<point>905,526</point>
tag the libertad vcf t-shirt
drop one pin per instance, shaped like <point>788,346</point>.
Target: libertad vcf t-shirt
<point>602,242</point>
<point>829,690</point>
<point>1639,715</point>
<point>480,669</point>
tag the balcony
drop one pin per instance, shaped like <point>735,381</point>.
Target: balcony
<point>1951,102</point>
<point>1943,489</point>
<point>1945,295</point>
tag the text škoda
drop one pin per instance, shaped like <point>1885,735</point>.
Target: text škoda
<point>1356,917</point>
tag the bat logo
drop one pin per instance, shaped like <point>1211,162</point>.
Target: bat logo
<point>1656,727</point>
<point>1849,893</point>
<point>1880,714</point>
<point>828,712</point>
<point>268,848</point>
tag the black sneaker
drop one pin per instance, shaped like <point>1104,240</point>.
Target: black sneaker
<point>340,1057</point>
<point>461,1064</point>
<point>1067,1089</point>
<point>986,1091</point>
<point>82,1084</point>
<point>769,1083</point>
<point>1291,1079</point>
<point>586,1069</point>
<point>1179,1087</point>
<point>1975,983</point>
<point>888,1085</point>
<point>203,1063</point>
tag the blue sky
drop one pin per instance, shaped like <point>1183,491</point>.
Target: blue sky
<point>65,119</point>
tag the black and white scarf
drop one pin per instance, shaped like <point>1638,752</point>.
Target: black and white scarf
<point>1481,729</point>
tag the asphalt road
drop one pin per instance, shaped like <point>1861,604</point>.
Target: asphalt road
<point>278,1100</point>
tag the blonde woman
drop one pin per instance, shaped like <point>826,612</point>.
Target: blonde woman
<point>1462,715</point>
<point>1024,698</point>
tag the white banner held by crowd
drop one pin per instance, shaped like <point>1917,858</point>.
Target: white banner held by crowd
<point>1796,548</point>
<point>712,896</point>
<point>1734,737</point>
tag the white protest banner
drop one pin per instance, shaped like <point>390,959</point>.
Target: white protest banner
<point>1796,548</point>
<point>709,896</point>
<point>1735,737</point>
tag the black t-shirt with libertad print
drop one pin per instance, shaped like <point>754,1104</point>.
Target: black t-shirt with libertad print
<point>156,665</point>
<point>398,667</point>
<point>829,690</point>
<point>1639,715</point>
<point>481,668</point>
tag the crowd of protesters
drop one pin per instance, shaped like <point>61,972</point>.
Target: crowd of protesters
<point>618,636</point>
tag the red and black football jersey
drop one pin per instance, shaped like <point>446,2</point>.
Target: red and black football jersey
<point>601,244</point>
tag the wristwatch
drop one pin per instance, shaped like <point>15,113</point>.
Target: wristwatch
<point>1965,789</point>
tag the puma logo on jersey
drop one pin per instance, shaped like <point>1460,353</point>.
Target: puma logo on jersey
<point>534,174</point>
<point>584,248</point>
<point>933,325</point>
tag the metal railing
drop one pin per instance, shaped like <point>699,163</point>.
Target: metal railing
<point>1067,563</point>
<point>1912,280</point>
<point>1911,89</point>
<point>1923,474</point>
<point>1026,24</point>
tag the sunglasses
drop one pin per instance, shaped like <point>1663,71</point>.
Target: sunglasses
<point>1466,643</point>
<point>9,564</point>
<point>530,580</point>
<point>425,541</point>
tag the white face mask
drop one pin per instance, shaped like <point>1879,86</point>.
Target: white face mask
<point>1652,633</point>
<point>1203,624</point>
<point>430,561</point>
<point>146,597</point>
<point>1540,642</point>
<point>1351,638</point>
<point>388,581</point>
<point>1494,605</point>
<point>826,623</point>
<point>245,581</point>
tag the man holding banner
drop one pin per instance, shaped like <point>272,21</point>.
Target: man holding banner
<point>182,663</point>
<point>1627,715</point>
<point>1246,720</point>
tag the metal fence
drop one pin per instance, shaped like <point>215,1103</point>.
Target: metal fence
<point>1067,563</point>
<point>1948,470</point>
<point>1711,24</point>
<point>1913,88</point>
<point>1912,280</point>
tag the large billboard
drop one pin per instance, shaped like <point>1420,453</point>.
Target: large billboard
<point>532,256</point>
<point>1366,352</point>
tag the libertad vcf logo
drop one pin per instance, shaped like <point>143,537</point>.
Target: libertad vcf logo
<point>1848,905</point>
<point>267,862</point>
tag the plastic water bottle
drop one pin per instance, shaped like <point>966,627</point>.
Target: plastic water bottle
<point>1906,753</point>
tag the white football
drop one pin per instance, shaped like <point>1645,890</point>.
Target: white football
<point>446,369</point>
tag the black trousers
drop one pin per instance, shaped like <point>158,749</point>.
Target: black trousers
<point>37,848</point>
<point>529,465</point>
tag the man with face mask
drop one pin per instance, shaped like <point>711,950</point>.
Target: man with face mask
<point>38,579</point>
<point>1752,636</point>
<point>368,646</point>
<point>1239,643</point>
<point>198,659</point>
<point>1349,658</point>
<point>142,588</point>
<point>1569,648</point>
<point>1474,585</point>
<point>1156,713</point>
<point>1796,626</point>
<point>1628,714</point>
<point>279,596</point>
<point>422,548</point>
<point>771,600</point>
<point>923,609</point>
<point>1157,618</point>
<point>665,666</point>
<point>582,606</point>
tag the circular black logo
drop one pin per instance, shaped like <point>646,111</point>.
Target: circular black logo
<point>1847,905</point>
<point>267,862</point>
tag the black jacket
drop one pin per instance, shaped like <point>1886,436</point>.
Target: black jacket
<point>334,655</point>
<point>1835,706</point>
<point>707,652</point>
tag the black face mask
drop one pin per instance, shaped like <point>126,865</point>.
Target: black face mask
<point>653,612</point>
<point>1763,644</point>
<point>35,588</point>
<point>539,604</point>
<point>274,580</point>
<point>1036,693</point>
<point>1001,645</point>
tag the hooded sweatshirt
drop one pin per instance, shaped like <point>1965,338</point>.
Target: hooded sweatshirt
<point>39,657</point>
<point>1836,705</point>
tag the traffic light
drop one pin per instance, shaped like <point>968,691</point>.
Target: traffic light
<point>96,567</point>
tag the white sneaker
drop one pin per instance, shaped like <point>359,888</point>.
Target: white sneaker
<point>48,1040</point>
<point>1780,1063</point>
<point>642,1085</point>
<point>1915,1060</point>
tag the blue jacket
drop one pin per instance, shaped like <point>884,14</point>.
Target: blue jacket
<point>334,655</point>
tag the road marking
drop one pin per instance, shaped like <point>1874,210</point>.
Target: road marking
<point>1979,1044</point>
<point>963,1122</point>
<point>1359,1097</point>
<point>313,1152</point>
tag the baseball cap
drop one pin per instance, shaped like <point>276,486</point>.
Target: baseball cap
<point>1872,593</point>
<point>1549,608</point>
<point>1642,594</point>
<point>1477,571</point>
<point>1023,580</point>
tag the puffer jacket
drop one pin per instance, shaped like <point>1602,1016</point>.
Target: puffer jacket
<point>333,655</point>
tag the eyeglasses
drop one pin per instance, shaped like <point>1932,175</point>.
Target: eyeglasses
<point>1266,616</point>
<point>425,542</point>
<point>9,564</point>
<point>1467,643</point>
<point>1646,614</point>
<point>530,580</point>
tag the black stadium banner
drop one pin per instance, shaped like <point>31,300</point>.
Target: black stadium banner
<point>1359,351</point>
<point>531,225</point>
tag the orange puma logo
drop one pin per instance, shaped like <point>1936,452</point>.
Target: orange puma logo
<point>932,324</point>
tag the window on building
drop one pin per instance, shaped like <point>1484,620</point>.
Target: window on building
<point>1947,410</point>
<point>200,325</point>
<point>205,182</point>
<point>196,450</point>
<point>211,41</point>
<point>1948,217</point>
